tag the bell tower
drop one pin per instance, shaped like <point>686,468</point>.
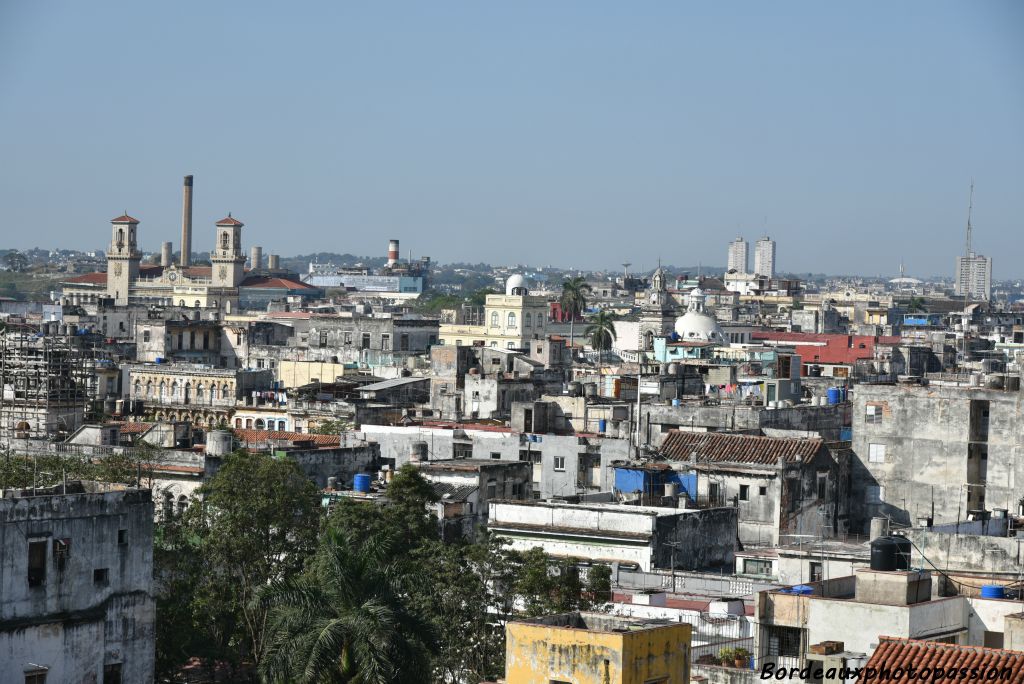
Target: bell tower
<point>123,257</point>
<point>227,258</point>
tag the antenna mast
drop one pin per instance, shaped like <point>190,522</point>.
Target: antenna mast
<point>970,210</point>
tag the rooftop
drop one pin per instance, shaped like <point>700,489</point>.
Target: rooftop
<point>597,622</point>
<point>729,448</point>
<point>895,653</point>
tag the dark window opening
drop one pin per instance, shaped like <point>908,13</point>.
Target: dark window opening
<point>816,574</point>
<point>762,490</point>
<point>61,552</point>
<point>36,563</point>
<point>101,576</point>
<point>744,492</point>
<point>112,673</point>
<point>122,536</point>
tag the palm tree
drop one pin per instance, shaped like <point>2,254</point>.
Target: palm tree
<point>601,330</point>
<point>916,305</point>
<point>574,300</point>
<point>345,619</point>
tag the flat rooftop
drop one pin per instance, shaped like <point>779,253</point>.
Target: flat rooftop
<point>597,622</point>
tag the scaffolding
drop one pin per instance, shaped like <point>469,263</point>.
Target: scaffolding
<point>47,378</point>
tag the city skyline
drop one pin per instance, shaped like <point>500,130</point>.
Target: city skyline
<point>684,125</point>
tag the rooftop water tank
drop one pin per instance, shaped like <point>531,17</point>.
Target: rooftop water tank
<point>361,483</point>
<point>890,553</point>
<point>993,591</point>
<point>834,395</point>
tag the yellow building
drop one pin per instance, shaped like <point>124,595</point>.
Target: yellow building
<point>595,648</point>
<point>510,320</point>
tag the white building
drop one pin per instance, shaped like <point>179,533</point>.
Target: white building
<point>764,257</point>
<point>974,276</point>
<point>77,584</point>
<point>739,255</point>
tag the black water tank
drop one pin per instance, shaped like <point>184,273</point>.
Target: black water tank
<point>890,553</point>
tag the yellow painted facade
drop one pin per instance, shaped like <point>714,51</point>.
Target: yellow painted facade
<point>510,322</point>
<point>602,650</point>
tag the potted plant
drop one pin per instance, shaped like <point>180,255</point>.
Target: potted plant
<point>726,657</point>
<point>741,657</point>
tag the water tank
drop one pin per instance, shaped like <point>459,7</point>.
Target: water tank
<point>332,483</point>
<point>834,395</point>
<point>890,553</point>
<point>218,442</point>
<point>671,488</point>
<point>677,402</point>
<point>993,591</point>
<point>575,389</point>
<point>361,483</point>
<point>602,425</point>
<point>419,451</point>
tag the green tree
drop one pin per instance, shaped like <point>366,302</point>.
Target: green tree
<point>917,305</point>
<point>332,427</point>
<point>599,585</point>
<point>257,522</point>
<point>601,330</point>
<point>479,297</point>
<point>346,619</point>
<point>15,261</point>
<point>574,301</point>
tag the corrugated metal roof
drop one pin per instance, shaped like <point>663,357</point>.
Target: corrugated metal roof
<point>389,384</point>
<point>895,653</point>
<point>718,446</point>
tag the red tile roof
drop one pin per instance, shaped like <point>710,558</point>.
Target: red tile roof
<point>895,653</point>
<point>89,279</point>
<point>261,436</point>
<point>229,221</point>
<point>133,428</point>
<point>830,349</point>
<point>124,218</point>
<point>728,448</point>
<point>267,281</point>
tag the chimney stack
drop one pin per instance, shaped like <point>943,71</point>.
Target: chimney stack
<point>392,253</point>
<point>255,257</point>
<point>166,249</point>
<point>272,262</point>
<point>186,223</point>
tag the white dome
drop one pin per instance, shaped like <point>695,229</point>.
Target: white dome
<point>697,325</point>
<point>515,282</point>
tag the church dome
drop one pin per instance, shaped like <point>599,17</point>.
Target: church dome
<point>697,325</point>
<point>515,285</point>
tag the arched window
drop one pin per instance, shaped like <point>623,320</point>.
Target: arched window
<point>138,389</point>
<point>182,504</point>
<point>238,423</point>
<point>540,321</point>
<point>163,391</point>
<point>168,505</point>
<point>494,319</point>
<point>527,320</point>
<point>197,304</point>
<point>120,237</point>
<point>213,392</point>
<point>260,424</point>
<point>181,302</point>
<point>149,388</point>
<point>281,425</point>
<point>224,393</point>
<point>174,391</point>
<point>199,393</point>
<point>511,320</point>
<point>248,423</point>
<point>188,393</point>
<point>224,240</point>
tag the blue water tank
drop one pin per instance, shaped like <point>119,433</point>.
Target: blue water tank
<point>676,402</point>
<point>361,483</point>
<point>602,425</point>
<point>802,590</point>
<point>159,359</point>
<point>834,395</point>
<point>995,591</point>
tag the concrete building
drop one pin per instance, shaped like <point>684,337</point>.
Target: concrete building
<point>466,488</point>
<point>974,277</point>
<point>641,537</point>
<point>739,256</point>
<point>595,648</point>
<point>764,257</point>
<point>779,486</point>
<point>77,599</point>
<point>935,451</point>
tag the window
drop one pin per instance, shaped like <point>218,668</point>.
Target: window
<point>815,574</point>
<point>511,345</point>
<point>385,342</point>
<point>874,494</point>
<point>517,490</point>
<point>365,341</point>
<point>560,463</point>
<point>784,641</point>
<point>101,577</point>
<point>122,537</point>
<point>511,320</point>
<point>35,677</point>
<point>36,563</point>
<point>492,488</point>
<point>876,453</point>
<point>61,552</point>
<point>494,319</point>
<point>756,566</point>
<point>744,492</point>
<point>112,673</point>
<point>527,320</point>
<point>872,413</point>
<point>495,455</point>
<point>822,486</point>
<point>403,342</point>
<point>145,335</point>
<point>347,337</point>
<point>762,490</point>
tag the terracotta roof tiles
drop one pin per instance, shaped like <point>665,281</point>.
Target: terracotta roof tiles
<point>729,448</point>
<point>895,653</point>
<point>261,436</point>
<point>124,218</point>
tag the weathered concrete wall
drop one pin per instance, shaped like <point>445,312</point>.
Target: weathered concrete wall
<point>965,552</point>
<point>925,432</point>
<point>342,463</point>
<point>697,540</point>
<point>93,604</point>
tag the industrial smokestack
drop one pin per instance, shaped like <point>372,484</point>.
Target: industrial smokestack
<point>186,223</point>
<point>392,252</point>
<point>272,262</point>
<point>165,254</point>
<point>255,257</point>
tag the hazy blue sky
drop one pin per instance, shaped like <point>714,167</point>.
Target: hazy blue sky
<point>574,133</point>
